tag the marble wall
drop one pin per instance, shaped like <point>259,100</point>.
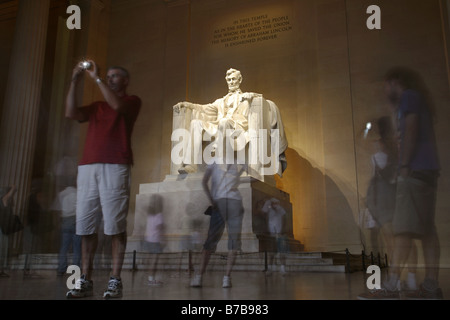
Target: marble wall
<point>315,59</point>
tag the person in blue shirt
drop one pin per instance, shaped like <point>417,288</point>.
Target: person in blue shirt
<point>417,177</point>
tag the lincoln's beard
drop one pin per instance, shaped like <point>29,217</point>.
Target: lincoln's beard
<point>232,88</point>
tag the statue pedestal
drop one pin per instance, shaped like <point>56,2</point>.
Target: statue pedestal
<point>184,200</point>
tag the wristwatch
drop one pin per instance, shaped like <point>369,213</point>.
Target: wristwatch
<point>98,80</point>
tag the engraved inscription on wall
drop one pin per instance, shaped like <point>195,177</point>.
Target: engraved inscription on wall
<point>251,30</point>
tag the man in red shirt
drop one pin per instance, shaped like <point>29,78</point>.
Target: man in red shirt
<point>104,170</point>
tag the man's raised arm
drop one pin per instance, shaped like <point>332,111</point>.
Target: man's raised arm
<point>72,109</point>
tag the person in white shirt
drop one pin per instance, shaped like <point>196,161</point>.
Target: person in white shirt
<point>228,211</point>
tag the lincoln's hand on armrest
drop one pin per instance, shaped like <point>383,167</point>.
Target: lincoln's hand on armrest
<point>187,105</point>
<point>181,105</point>
<point>250,96</point>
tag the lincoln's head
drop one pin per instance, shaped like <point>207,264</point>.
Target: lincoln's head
<point>234,79</point>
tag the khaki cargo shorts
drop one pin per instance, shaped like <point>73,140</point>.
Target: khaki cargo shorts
<point>102,189</point>
<point>415,205</point>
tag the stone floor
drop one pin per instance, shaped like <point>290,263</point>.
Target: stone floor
<point>255,285</point>
<point>274,296</point>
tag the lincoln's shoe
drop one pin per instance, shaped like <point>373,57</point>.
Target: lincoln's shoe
<point>186,169</point>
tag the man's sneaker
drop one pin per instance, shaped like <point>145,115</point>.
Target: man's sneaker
<point>226,282</point>
<point>424,294</point>
<point>114,289</point>
<point>83,288</point>
<point>380,294</point>
<point>196,281</point>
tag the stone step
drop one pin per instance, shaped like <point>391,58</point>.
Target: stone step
<point>295,262</point>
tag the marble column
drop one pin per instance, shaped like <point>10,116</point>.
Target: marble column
<point>22,98</point>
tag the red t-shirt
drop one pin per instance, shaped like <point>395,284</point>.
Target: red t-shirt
<point>108,137</point>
